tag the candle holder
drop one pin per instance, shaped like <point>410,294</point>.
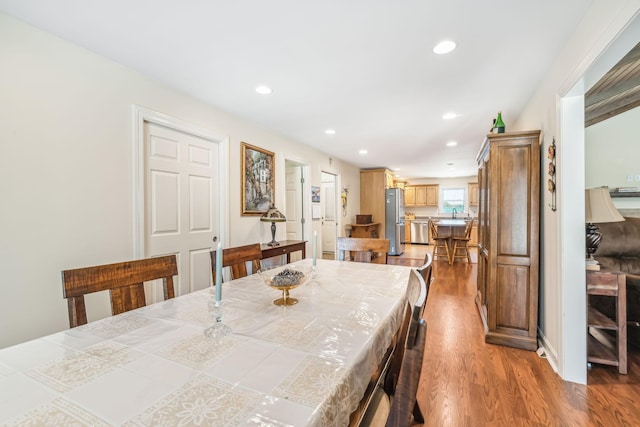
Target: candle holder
<point>218,329</point>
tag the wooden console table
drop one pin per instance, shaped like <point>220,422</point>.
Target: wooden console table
<point>285,248</point>
<point>367,231</point>
<point>601,348</point>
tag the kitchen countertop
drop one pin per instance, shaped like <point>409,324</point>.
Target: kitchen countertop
<point>451,222</point>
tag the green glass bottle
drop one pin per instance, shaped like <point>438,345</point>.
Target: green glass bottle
<point>499,125</point>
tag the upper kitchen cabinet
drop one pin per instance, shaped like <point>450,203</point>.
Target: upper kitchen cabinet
<point>421,195</point>
<point>432,195</point>
<point>373,183</point>
<point>473,194</point>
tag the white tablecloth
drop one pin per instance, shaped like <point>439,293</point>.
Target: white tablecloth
<point>306,364</point>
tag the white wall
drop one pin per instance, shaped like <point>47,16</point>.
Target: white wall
<point>612,153</point>
<point>66,170</point>
<point>562,280</point>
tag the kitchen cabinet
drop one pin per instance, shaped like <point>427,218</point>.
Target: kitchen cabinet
<point>508,238</point>
<point>407,231</point>
<point>432,195</point>
<point>421,195</point>
<point>602,347</point>
<point>409,196</point>
<point>473,194</point>
<point>373,183</point>
<point>474,235</point>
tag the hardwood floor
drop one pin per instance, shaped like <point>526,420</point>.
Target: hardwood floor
<point>466,382</point>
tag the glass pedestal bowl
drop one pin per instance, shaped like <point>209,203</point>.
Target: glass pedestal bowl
<point>284,278</point>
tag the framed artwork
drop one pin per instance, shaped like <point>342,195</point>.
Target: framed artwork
<point>258,176</point>
<point>315,194</point>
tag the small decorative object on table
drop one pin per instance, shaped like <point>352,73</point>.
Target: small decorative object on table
<point>284,279</point>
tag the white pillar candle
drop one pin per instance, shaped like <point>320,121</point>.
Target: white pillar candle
<point>315,245</point>
<point>219,272</point>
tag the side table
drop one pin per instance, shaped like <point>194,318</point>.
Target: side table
<point>285,248</point>
<point>601,347</point>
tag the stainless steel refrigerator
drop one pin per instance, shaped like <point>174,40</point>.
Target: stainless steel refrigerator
<point>394,220</point>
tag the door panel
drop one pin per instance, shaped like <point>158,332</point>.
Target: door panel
<point>181,203</point>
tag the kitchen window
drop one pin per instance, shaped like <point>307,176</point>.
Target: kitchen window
<point>452,198</point>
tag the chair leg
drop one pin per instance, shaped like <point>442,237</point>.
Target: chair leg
<point>417,414</point>
<point>449,254</point>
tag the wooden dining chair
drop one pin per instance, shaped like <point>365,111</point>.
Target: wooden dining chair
<point>237,258</point>
<point>123,280</point>
<point>390,387</point>
<point>441,243</point>
<point>405,410</point>
<point>363,249</point>
<point>461,244</point>
<point>426,271</point>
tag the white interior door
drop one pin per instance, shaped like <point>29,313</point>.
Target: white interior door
<point>181,202</point>
<point>293,209</point>
<point>329,213</point>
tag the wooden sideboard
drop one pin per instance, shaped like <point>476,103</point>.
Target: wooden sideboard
<point>285,248</point>
<point>369,231</point>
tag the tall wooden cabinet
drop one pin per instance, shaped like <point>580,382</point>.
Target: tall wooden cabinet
<point>508,236</point>
<point>373,183</point>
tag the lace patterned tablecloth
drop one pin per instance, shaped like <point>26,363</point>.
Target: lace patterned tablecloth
<point>306,364</point>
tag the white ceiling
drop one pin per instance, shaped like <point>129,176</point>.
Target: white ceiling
<point>362,67</point>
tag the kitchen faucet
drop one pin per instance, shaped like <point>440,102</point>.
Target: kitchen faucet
<point>453,213</point>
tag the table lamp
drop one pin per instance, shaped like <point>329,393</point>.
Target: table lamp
<point>273,215</point>
<point>598,208</point>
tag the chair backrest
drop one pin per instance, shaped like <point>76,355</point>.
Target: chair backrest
<point>416,302</point>
<point>468,228</point>
<point>123,280</point>
<point>434,230</point>
<point>363,248</point>
<point>237,258</point>
<point>426,271</point>
<point>404,409</point>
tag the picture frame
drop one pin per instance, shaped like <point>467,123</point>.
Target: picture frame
<point>315,194</point>
<point>258,174</point>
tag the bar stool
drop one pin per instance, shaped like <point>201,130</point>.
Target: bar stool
<point>442,242</point>
<point>461,244</point>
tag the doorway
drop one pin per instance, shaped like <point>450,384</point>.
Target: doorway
<point>328,206</point>
<point>296,205</point>
<point>180,194</point>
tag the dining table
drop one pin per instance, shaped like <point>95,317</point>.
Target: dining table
<point>307,364</point>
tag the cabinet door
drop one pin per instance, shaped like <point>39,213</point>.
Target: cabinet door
<point>431,195</point>
<point>473,194</point>
<point>421,196</point>
<point>410,196</point>
<point>474,236</point>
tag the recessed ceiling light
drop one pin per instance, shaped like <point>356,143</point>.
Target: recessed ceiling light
<point>450,115</point>
<point>445,46</point>
<point>330,131</point>
<point>449,164</point>
<point>263,90</point>
<point>363,152</point>
<point>451,144</point>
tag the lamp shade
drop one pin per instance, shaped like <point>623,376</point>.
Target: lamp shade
<point>273,215</point>
<point>599,206</point>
